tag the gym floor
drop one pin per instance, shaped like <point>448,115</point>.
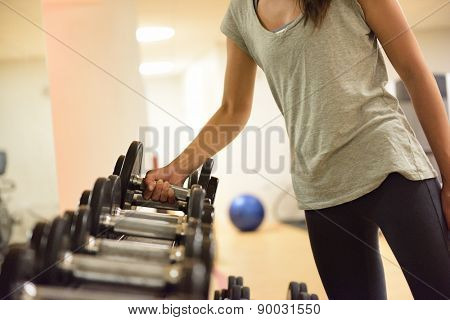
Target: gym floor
<point>276,254</point>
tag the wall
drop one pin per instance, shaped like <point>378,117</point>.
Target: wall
<point>98,101</point>
<point>27,136</point>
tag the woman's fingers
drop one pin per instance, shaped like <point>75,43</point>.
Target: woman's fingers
<point>156,194</point>
<point>150,186</point>
<point>165,192</point>
<point>171,196</point>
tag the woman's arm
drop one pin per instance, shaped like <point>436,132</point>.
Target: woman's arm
<point>220,130</point>
<point>386,19</point>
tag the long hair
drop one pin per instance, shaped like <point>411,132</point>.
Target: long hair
<point>314,10</point>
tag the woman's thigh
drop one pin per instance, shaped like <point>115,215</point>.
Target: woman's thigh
<point>411,218</point>
<point>346,252</point>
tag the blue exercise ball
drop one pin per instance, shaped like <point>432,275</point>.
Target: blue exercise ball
<point>246,212</point>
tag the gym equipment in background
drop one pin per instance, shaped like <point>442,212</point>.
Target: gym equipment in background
<point>235,290</point>
<point>246,212</point>
<point>6,221</point>
<point>299,291</point>
<point>2,162</point>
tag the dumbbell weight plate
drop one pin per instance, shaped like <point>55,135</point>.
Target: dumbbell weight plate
<point>81,230</point>
<point>236,292</point>
<point>41,245</point>
<point>303,287</point>
<point>119,165</point>
<point>205,173</point>
<point>131,167</point>
<point>57,243</point>
<point>193,179</point>
<point>196,202</point>
<point>212,189</point>
<point>293,291</point>
<point>85,198</point>
<point>98,196</point>
<point>36,236</point>
<point>70,217</point>
<point>17,268</point>
<point>245,294</point>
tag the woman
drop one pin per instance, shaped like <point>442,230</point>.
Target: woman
<point>357,165</point>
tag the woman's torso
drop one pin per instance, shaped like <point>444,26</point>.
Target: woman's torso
<point>347,132</point>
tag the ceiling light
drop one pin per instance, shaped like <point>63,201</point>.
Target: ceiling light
<point>154,34</point>
<point>156,68</point>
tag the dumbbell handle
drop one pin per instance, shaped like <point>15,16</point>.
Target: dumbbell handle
<point>141,273</point>
<point>30,291</point>
<point>134,249</point>
<point>144,227</point>
<point>181,193</point>
<point>139,201</point>
<point>155,216</point>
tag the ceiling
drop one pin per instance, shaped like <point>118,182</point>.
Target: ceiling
<point>196,23</point>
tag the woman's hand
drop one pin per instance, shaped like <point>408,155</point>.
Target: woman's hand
<point>445,199</point>
<point>158,184</point>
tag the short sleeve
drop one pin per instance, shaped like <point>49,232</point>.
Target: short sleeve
<point>230,28</point>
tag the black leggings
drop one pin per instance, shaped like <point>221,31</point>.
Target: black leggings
<point>344,241</point>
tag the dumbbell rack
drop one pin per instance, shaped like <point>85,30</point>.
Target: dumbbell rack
<point>116,245</point>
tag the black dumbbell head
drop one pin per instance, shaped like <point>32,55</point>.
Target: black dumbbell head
<point>192,179</point>
<point>212,189</point>
<point>303,287</point>
<point>131,167</point>
<point>36,236</point>
<point>236,292</point>
<point>57,244</point>
<point>205,173</point>
<point>245,295</point>
<point>98,200</point>
<point>119,165</point>
<point>85,198</point>
<point>196,202</point>
<point>293,291</point>
<point>17,269</point>
<point>217,295</point>
<point>82,228</point>
<point>195,282</point>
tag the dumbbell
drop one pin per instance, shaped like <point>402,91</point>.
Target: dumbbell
<point>17,267</point>
<point>195,245</point>
<point>105,198</point>
<point>86,199</point>
<point>133,185</point>
<point>235,290</point>
<point>55,264</point>
<point>192,179</point>
<point>299,291</point>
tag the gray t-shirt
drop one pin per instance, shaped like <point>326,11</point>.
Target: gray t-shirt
<point>347,132</point>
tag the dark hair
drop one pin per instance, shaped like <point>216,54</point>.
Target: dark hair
<point>314,10</point>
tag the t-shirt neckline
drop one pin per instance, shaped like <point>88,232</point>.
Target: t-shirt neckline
<point>279,33</point>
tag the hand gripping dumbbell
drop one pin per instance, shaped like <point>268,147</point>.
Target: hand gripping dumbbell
<point>56,264</point>
<point>106,222</point>
<point>195,245</point>
<point>192,179</point>
<point>133,185</point>
<point>299,291</point>
<point>235,290</point>
<point>95,198</point>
